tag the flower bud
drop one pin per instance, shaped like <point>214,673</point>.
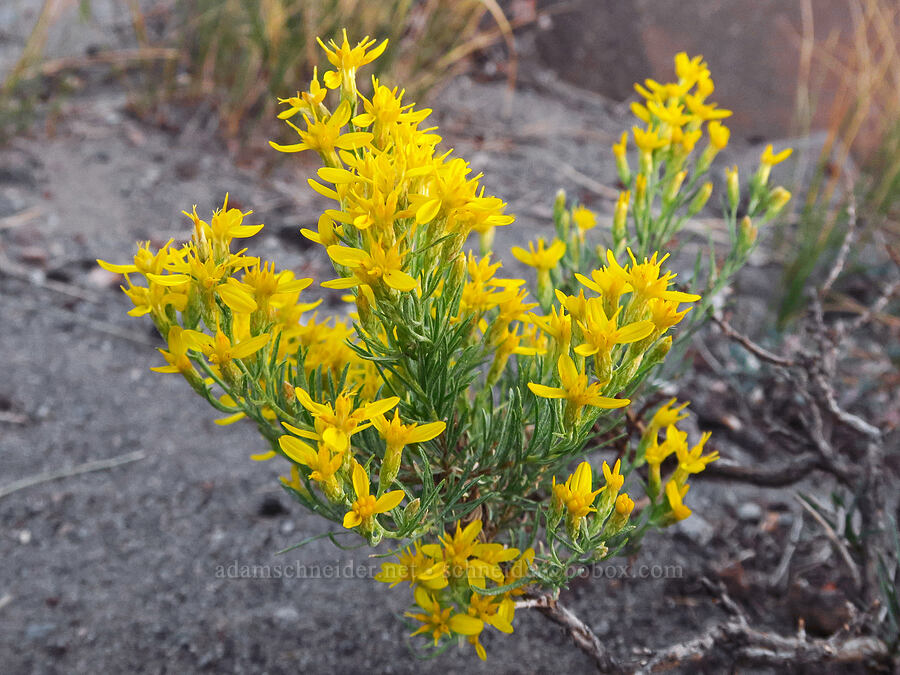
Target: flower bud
<point>412,509</point>
<point>620,218</point>
<point>734,188</point>
<point>778,198</point>
<point>659,351</point>
<point>700,199</point>
<point>747,233</point>
<point>640,195</point>
<point>674,186</point>
<point>619,150</point>
<point>620,515</point>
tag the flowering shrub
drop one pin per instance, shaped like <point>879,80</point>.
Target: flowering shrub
<point>446,411</point>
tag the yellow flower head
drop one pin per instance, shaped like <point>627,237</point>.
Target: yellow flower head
<point>366,506</point>
<point>379,266</point>
<point>769,159</point>
<point>397,435</point>
<point>624,505</point>
<point>667,415</point>
<point>645,279</point>
<point>347,58</point>
<point>693,461</point>
<point>718,134</point>
<point>324,463</point>
<point>543,258</point>
<point>335,425</point>
<point>439,621</point>
<point>649,140</point>
<point>415,567</point>
<point>602,333</point>
<point>575,388</point>
<point>613,477</point>
<point>576,494</point>
<point>584,219</point>
<point>324,136</point>
<point>675,496</point>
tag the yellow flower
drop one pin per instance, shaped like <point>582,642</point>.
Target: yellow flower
<point>675,495</point>
<point>770,159</point>
<point>324,136</point>
<point>667,415</point>
<point>487,608</point>
<point>221,351</point>
<point>602,333</point>
<point>324,463</point>
<point>543,258</point>
<point>398,435</point>
<point>307,101</point>
<point>718,134</point>
<point>645,279</point>
<point>378,266</point>
<point>692,461</point>
<point>366,506</point>
<point>347,59</point>
<point>336,425</point>
<point>439,621</point>
<point>576,495</point>
<point>620,148</point>
<point>180,342</point>
<point>584,219</point>
<point>415,567</point>
<point>649,140</point>
<point>576,390</point>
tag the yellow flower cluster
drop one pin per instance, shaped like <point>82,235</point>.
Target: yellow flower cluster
<point>690,460</point>
<point>575,498</point>
<point>674,117</point>
<point>619,328</point>
<point>450,579</point>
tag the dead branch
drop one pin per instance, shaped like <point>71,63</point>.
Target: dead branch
<point>767,475</point>
<point>750,345</point>
<point>836,540</point>
<point>585,639</point>
<point>746,645</point>
<point>87,467</point>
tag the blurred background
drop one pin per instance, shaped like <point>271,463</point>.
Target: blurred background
<point>120,499</point>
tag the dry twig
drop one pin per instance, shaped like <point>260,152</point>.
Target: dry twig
<point>87,467</point>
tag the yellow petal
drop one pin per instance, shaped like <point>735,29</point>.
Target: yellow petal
<point>634,332</point>
<point>346,256</point>
<point>236,298</point>
<point>248,347</point>
<point>400,281</point>
<point>118,269</point>
<point>427,211</point>
<point>353,140</point>
<point>297,450</point>
<point>546,392</point>
<point>360,480</point>
<point>465,624</point>
<point>425,432</point>
<point>351,519</point>
<point>568,373</point>
<point>389,501</point>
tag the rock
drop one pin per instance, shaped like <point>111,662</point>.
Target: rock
<point>749,511</point>
<point>697,529</point>
<point>287,615</point>
<point>271,507</point>
<point>38,631</point>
